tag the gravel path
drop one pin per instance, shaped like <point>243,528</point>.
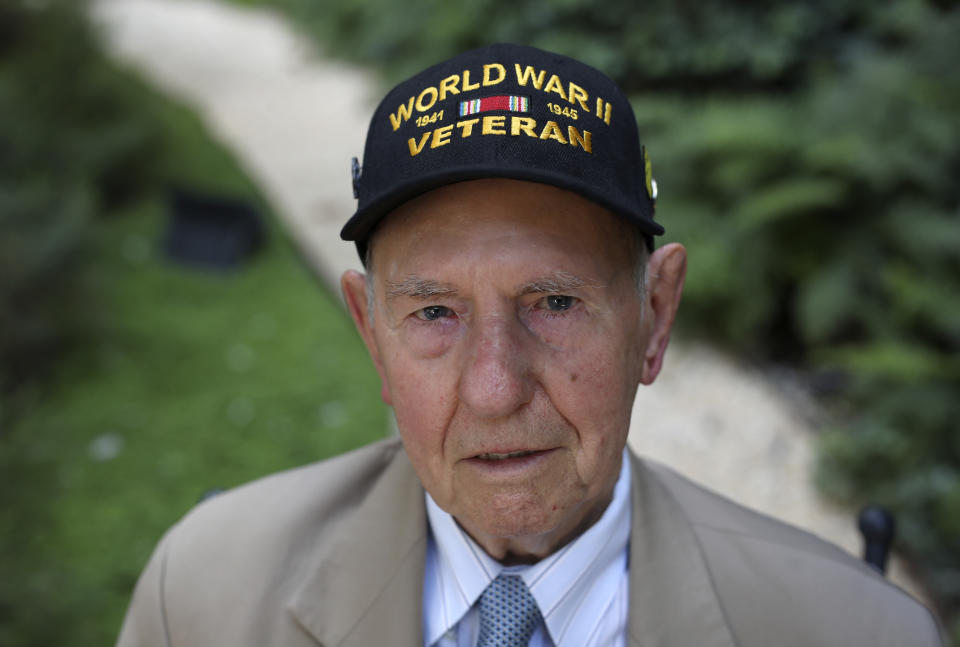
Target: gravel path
<point>294,120</point>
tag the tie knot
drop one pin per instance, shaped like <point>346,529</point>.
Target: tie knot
<point>508,613</point>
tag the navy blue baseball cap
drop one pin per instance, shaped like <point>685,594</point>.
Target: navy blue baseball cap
<point>506,111</point>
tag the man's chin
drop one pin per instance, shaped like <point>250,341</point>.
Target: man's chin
<point>524,527</point>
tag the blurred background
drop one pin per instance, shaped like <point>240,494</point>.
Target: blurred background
<point>808,156</point>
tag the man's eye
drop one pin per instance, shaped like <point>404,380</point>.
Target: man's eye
<point>559,302</point>
<point>432,313</point>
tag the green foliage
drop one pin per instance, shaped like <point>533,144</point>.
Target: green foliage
<point>807,156</point>
<point>157,383</point>
<point>191,385</point>
<point>73,139</point>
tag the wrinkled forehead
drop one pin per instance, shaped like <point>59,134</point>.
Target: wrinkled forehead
<point>459,218</point>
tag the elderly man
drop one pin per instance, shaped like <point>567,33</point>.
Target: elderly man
<point>512,305</point>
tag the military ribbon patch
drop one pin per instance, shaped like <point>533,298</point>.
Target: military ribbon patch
<point>510,103</point>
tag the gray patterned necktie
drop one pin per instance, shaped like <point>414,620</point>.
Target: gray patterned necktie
<point>508,613</point>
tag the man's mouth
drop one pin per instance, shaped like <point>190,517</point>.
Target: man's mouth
<point>500,457</point>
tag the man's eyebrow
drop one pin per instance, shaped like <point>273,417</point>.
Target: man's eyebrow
<point>558,283</point>
<point>419,288</point>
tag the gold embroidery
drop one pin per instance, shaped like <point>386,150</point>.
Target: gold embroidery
<point>554,85</point>
<point>449,84</point>
<point>415,148</point>
<point>441,136</point>
<point>402,114</point>
<point>523,125</point>
<point>486,73</point>
<point>552,131</point>
<point>466,127</point>
<point>493,126</point>
<point>466,82</point>
<point>420,105</point>
<point>528,74</point>
<point>493,74</point>
<point>580,95</point>
<point>582,139</point>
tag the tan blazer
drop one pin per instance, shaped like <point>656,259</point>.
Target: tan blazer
<point>333,554</point>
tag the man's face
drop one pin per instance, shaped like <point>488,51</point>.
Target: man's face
<point>510,338</point>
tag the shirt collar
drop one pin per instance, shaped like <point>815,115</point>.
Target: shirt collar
<point>577,582</point>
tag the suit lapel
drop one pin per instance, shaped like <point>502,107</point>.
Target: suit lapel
<point>672,599</point>
<point>368,586</point>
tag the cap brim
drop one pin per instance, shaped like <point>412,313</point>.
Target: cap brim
<point>364,221</point>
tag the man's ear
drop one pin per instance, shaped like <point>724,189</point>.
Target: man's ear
<point>354,286</point>
<point>666,271</point>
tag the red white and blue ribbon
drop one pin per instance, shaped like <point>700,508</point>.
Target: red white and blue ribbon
<point>509,103</point>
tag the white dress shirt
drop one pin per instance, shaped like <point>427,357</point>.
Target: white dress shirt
<point>581,590</point>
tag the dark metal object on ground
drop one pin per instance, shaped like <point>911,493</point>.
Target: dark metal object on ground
<point>211,231</point>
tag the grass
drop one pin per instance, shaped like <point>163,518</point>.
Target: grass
<point>192,380</point>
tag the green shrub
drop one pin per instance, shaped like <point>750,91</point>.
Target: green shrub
<point>73,141</point>
<point>807,155</point>
<point>176,380</point>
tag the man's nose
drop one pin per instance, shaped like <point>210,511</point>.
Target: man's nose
<point>497,376</point>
